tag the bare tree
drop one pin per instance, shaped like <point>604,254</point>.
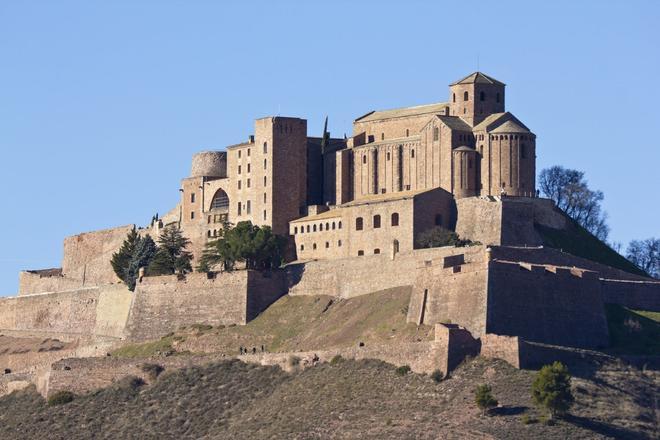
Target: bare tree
<point>646,255</point>
<point>570,191</point>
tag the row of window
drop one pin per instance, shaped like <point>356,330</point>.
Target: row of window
<point>359,222</point>
<point>312,228</point>
<point>482,96</point>
<point>249,169</point>
<point>248,182</point>
<point>327,245</point>
<point>248,154</point>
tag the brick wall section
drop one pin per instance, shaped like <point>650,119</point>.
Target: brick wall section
<point>356,276</point>
<point>637,295</point>
<point>87,256</point>
<point>92,311</point>
<point>163,304</point>
<point>549,305</point>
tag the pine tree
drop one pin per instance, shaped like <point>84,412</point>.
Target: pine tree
<point>143,254</point>
<point>122,258</point>
<point>171,256</point>
<point>484,398</point>
<point>551,389</point>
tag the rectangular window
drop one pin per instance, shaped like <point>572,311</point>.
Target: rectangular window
<point>239,208</point>
<point>239,184</point>
<point>192,215</point>
<point>264,197</point>
<point>248,183</point>
<point>264,181</point>
<point>248,208</point>
<point>192,198</point>
<point>248,165</point>
<point>239,169</point>
<point>248,152</point>
<point>264,214</point>
<point>239,154</point>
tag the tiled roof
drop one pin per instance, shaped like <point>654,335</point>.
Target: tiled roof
<point>510,126</point>
<point>455,123</point>
<point>479,78</point>
<point>483,125</point>
<point>403,112</point>
<point>333,213</point>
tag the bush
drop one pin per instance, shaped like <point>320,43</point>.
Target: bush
<point>61,397</point>
<point>437,375</point>
<point>130,383</point>
<point>152,370</point>
<point>336,359</point>
<point>439,236</point>
<point>403,370</point>
<point>551,389</point>
<point>483,397</point>
<point>527,419</point>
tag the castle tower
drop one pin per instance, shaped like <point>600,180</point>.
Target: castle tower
<point>475,97</point>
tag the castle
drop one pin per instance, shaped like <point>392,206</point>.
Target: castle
<point>352,210</point>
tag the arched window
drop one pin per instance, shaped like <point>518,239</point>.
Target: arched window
<point>314,228</point>
<point>412,153</point>
<point>376,221</point>
<point>339,225</point>
<point>314,246</point>
<point>339,243</point>
<point>359,224</point>
<point>295,230</point>
<point>395,219</point>
<point>466,96</point>
<point>364,158</point>
<point>482,96</point>
<point>302,247</point>
<point>333,226</point>
<point>327,226</point>
<point>220,200</point>
<point>308,228</point>
<point>265,148</point>
<point>321,227</point>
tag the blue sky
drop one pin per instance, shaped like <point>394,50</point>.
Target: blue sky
<point>102,104</point>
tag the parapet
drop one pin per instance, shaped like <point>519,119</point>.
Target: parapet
<point>209,164</point>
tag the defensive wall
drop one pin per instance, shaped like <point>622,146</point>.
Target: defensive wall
<point>158,306</point>
<point>354,276</point>
<point>81,375</point>
<point>165,303</point>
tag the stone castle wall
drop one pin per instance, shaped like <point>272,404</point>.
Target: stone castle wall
<point>637,295</point>
<point>165,303</point>
<point>100,311</point>
<point>349,277</point>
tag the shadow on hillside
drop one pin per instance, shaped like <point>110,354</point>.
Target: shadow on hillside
<point>508,410</point>
<point>604,428</point>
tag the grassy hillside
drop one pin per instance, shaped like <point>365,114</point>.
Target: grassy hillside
<point>295,323</point>
<point>344,400</point>
<point>579,242</point>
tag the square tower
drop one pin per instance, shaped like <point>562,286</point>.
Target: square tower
<point>475,97</point>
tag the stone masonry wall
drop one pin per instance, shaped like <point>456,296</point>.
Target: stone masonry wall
<point>100,311</point>
<point>356,276</point>
<point>551,305</point>
<point>165,303</point>
<point>30,282</point>
<point>637,295</point>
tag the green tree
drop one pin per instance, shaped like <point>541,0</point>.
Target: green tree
<point>484,399</point>
<point>439,236</point>
<point>122,258</point>
<point>551,389</point>
<point>171,256</point>
<point>142,255</point>
<point>255,246</point>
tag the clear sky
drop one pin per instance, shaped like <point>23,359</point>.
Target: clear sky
<point>103,103</point>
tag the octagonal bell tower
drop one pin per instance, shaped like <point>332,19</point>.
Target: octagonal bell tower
<point>475,97</point>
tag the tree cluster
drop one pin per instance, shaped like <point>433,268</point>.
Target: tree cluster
<point>258,247</point>
<point>439,236</point>
<point>570,192</point>
<point>168,257</point>
<point>645,254</point>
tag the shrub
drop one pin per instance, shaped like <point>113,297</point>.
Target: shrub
<point>61,397</point>
<point>152,370</point>
<point>551,389</point>
<point>292,362</point>
<point>403,370</point>
<point>437,375</point>
<point>526,419</point>
<point>483,397</point>
<point>131,383</point>
<point>439,236</point>
<point>336,359</point>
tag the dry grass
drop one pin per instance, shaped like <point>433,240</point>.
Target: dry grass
<point>299,323</point>
<point>344,400</point>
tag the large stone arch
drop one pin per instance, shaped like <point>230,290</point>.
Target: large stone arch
<point>219,201</point>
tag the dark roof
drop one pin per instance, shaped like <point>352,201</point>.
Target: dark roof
<point>478,78</point>
<point>455,123</point>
